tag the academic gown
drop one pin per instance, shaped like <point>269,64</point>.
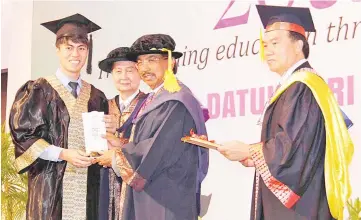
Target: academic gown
<point>110,184</point>
<point>39,117</point>
<point>290,158</point>
<point>160,172</point>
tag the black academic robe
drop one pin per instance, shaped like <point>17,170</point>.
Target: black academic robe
<point>159,171</point>
<point>38,113</point>
<point>110,183</point>
<point>291,156</point>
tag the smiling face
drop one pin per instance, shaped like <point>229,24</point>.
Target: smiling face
<point>125,77</point>
<point>72,57</point>
<point>281,51</point>
<point>152,67</point>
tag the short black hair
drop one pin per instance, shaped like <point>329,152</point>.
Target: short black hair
<point>73,38</point>
<point>306,47</point>
<point>294,36</point>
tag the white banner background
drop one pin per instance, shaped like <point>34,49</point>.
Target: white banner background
<point>239,82</point>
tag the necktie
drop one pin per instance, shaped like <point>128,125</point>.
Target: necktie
<point>149,98</point>
<point>147,101</point>
<point>73,86</point>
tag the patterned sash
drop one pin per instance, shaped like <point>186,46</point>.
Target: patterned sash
<point>115,185</point>
<point>75,179</point>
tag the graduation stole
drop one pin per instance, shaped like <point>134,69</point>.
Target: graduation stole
<point>75,179</point>
<point>131,112</point>
<point>339,146</point>
<point>117,189</point>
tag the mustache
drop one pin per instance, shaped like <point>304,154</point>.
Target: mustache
<point>146,72</point>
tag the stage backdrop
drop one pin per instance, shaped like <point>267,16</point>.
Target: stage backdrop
<point>221,64</point>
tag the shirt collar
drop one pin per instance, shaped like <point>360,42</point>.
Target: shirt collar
<point>64,79</point>
<point>128,100</point>
<point>158,88</point>
<point>289,72</point>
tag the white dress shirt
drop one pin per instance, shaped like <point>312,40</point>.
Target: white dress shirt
<point>154,91</point>
<point>127,102</point>
<point>289,72</point>
<point>52,152</point>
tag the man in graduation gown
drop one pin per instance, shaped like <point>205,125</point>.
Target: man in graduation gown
<point>47,130</point>
<point>161,174</point>
<point>302,160</point>
<point>123,108</point>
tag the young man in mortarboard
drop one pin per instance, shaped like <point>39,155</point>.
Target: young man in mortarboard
<point>47,130</point>
<point>124,108</point>
<point>161,174</point>
<point>302,160</point>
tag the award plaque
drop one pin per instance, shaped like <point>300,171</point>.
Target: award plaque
<point>200,140</point>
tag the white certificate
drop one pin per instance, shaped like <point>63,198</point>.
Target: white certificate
<point>94,128</point>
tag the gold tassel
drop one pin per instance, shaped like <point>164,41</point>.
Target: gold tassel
<point>170,81</point>
<point>261,46</point>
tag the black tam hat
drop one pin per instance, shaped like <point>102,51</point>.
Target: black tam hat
<point>153,44</point>
<point>118,54</point>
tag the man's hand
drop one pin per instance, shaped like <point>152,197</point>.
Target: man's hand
<point>106,158</point>
<point>234,150</point>
<point>247,162</point>
<point>111,123</point>
<point>75,157</point>
<point>114,142</point>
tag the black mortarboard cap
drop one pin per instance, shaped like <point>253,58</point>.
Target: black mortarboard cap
<point>286,18</point>
<point>75,25</point>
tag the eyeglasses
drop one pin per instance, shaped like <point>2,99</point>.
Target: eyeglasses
<point>149,61</point>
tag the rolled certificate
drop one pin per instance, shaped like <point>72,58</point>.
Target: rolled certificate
<point>94,128</point>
